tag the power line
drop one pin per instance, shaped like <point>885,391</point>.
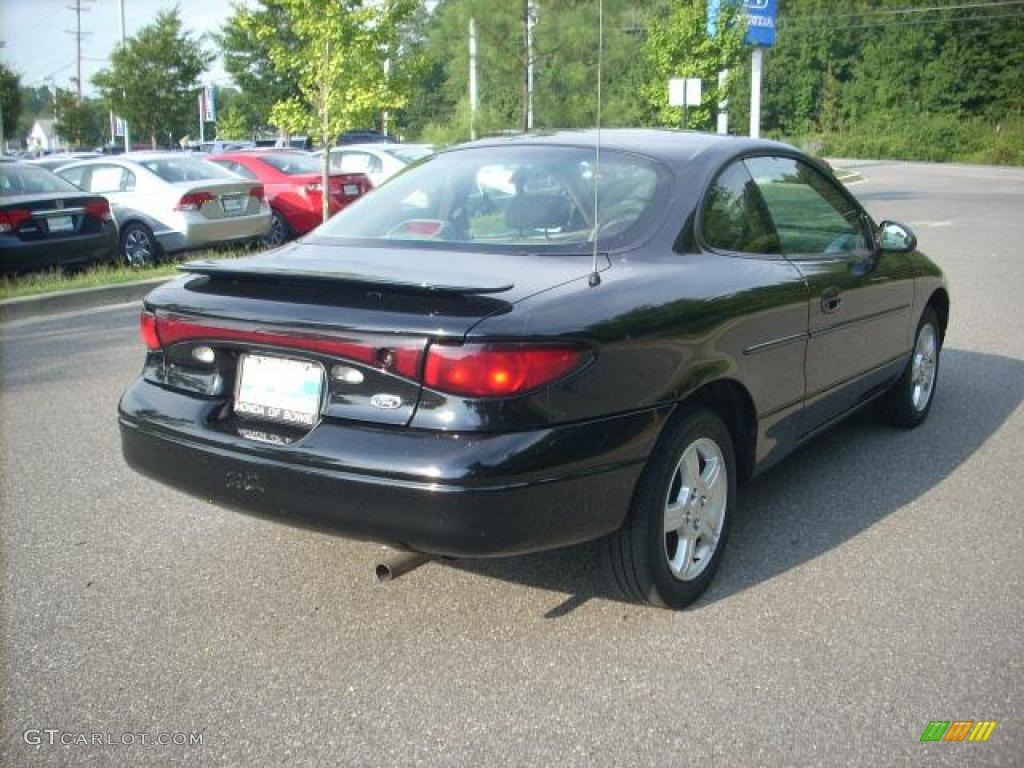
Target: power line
<point>898,11</point>
<point>916,23</point>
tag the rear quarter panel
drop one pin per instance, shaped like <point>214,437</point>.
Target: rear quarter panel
<point>661,327</point>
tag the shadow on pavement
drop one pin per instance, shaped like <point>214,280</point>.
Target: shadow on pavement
<point>808,504</point>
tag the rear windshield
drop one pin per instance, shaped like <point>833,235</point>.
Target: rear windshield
<point>184,168</point>
<point>527,198</point>
<point>292,163</point>
<point>30,180</point>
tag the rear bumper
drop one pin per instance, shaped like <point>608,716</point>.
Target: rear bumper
<point>196,231</point>
<point>19,256</point>
<point>458,495</point>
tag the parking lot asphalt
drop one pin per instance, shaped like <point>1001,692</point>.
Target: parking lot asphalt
<point>874,582</point>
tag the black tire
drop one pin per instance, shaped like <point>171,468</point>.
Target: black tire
<point>139,248</point>
<point>279,234</point>
<point>907,404</point>
<point>638,554</point>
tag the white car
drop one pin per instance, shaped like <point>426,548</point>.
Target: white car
<point>164,202</point>
<point>378,161</point>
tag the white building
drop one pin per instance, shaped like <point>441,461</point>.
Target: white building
<point>42,137</point>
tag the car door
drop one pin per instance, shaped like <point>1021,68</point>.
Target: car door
<point>769,340</point>
<point>860,301</point>
<point>115,183</point>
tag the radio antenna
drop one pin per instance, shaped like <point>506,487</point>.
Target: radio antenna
<point>595,277</point>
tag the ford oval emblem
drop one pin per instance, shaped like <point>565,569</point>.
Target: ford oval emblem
<point>386,401</point>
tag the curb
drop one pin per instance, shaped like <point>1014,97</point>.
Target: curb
<point>80,298</point>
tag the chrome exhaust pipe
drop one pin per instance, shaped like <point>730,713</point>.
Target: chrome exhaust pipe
<point>395,563</point>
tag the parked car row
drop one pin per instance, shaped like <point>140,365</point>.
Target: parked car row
<point>159,203</point>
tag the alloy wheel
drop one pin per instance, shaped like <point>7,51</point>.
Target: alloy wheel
<point>923,364</point>
<point>695,509</point>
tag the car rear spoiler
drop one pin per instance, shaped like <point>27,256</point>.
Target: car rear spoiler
<point>240,269</point>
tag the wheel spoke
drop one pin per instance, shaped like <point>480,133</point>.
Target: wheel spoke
<point>682,557</point>
<point>675,516</point>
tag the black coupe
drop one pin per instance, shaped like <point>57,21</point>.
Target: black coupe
<point>451,365</point>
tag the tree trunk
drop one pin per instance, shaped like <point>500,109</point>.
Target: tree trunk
<point>152,140</point>
<point>325,138</point>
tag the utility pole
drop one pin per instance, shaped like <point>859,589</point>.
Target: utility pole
<point>530,20</point>
<point>3,143</point>
<point>78,33</point>
<point>472,79</point>
<point>127,132</point>
<point>756,66</point>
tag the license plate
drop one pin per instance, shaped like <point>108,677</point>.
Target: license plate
<point>352,190</point>
<point>231,204</point>
<point>60,223</point>
<point>278,389</point>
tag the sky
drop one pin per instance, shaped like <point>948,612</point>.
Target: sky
<point>36,45</point>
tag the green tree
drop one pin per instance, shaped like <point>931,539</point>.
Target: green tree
<point>335,50</point>
<point>231,124</point>
<point>153,81</point>
<point>80,123</point>
<point>247,58</point>
<point>10,101</point>
<point>679,46</point>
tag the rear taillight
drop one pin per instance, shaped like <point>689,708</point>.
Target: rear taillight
<point>401,357</point>
<point>148,330</point>
<point>500,370</point>
<point>193,201</point>
<point>257,192</point>
<point>13,218</point>
<point>98,208</point>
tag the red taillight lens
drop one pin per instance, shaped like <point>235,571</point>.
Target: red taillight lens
<point>13,218</point>
<point>193,201</point>
<point>401,357</point>
<point>98,208</point>
<point>148,331</point>
<point>257,192</point>
<point>500,370</point>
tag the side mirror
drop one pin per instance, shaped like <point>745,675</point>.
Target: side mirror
<point>894,237</point>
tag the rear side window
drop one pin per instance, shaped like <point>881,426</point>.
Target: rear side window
<point>811,215</point>
<point>185,168</point>
<point>734,216</point>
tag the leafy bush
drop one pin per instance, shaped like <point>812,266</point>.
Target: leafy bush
<point>937,138</point>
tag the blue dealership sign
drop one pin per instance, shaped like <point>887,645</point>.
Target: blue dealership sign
<point>760,19</point>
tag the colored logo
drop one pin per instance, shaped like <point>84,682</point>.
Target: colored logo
<point>958,730</point>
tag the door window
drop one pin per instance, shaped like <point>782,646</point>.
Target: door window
<point>811,215</point>
<point>734,216</point>
<point>108,179</point>
<point>357,162</point>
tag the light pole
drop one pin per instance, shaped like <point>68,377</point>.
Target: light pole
<point>3,141</point>
<point>127,132</point>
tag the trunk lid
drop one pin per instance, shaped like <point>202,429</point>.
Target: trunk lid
<point>53,216</point>
<point>221,199</point>
<point>367,315</point>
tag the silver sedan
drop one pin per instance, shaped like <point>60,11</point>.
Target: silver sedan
<point>169,201</point>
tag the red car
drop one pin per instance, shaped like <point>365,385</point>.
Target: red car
<point>293,185</point>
